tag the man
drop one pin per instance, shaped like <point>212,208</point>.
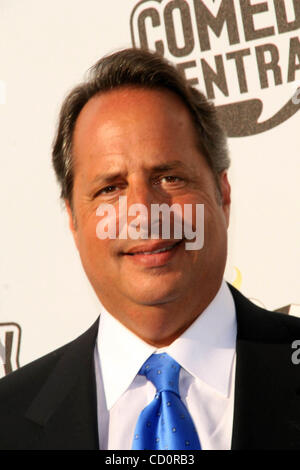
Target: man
<point>136,129</point>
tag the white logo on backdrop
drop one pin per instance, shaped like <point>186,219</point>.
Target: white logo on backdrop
<point>10,336</point>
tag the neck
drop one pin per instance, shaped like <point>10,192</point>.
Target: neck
<point>161,324</point>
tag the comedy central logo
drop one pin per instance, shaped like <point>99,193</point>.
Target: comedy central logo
<point>243,54</point>
<point>165,222</point>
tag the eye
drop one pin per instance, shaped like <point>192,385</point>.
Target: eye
<point>106,190</point>
<point>169,183</point>
<point>171,179</point>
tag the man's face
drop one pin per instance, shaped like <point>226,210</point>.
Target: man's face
<point>141,144</point>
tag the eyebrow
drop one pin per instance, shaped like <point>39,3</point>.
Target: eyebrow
<point>109,177</point>
<point>173,165</point>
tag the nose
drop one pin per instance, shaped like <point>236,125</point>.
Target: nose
<point>141,195</point>
<point>140,191</point>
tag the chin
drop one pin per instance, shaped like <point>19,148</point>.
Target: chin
<point>155,293</point>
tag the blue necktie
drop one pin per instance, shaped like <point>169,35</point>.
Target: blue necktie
<point>165,423</point>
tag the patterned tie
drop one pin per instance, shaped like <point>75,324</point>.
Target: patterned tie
<point>165,423</point>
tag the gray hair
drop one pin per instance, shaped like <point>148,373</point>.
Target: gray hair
<point>146,70</point>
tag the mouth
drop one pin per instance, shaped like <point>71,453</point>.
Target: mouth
<point>154,254</point>
<point>152,249</point>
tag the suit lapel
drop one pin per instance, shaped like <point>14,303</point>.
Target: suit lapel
<point>266,409</point>
<point>65,409</point>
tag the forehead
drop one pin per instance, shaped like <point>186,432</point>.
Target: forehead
<point>131,111</point>
<point>130,98</point>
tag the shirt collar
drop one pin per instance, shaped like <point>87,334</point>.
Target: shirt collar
<point>205,349</point>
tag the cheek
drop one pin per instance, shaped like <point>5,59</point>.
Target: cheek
<point>195,210</point>
<point>90,246</point>
<point>97,260</point>
<point>215,230</point>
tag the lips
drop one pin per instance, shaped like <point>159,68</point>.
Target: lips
<point>157,254</point>
<point>152,248</point>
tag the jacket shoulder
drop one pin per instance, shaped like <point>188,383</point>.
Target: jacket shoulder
<point>18,388</point>
<point>259,324</point>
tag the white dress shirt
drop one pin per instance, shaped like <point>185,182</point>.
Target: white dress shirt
<point>206,353</point>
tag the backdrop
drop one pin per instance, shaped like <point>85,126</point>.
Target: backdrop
<point>244,54</point>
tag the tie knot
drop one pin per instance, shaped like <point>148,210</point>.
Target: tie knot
<point>163,372</point>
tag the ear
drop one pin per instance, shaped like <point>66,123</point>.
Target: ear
<point>72,223</point>
<point>225,190</point>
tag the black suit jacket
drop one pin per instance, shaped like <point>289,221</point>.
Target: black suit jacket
<point>51,402</point>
